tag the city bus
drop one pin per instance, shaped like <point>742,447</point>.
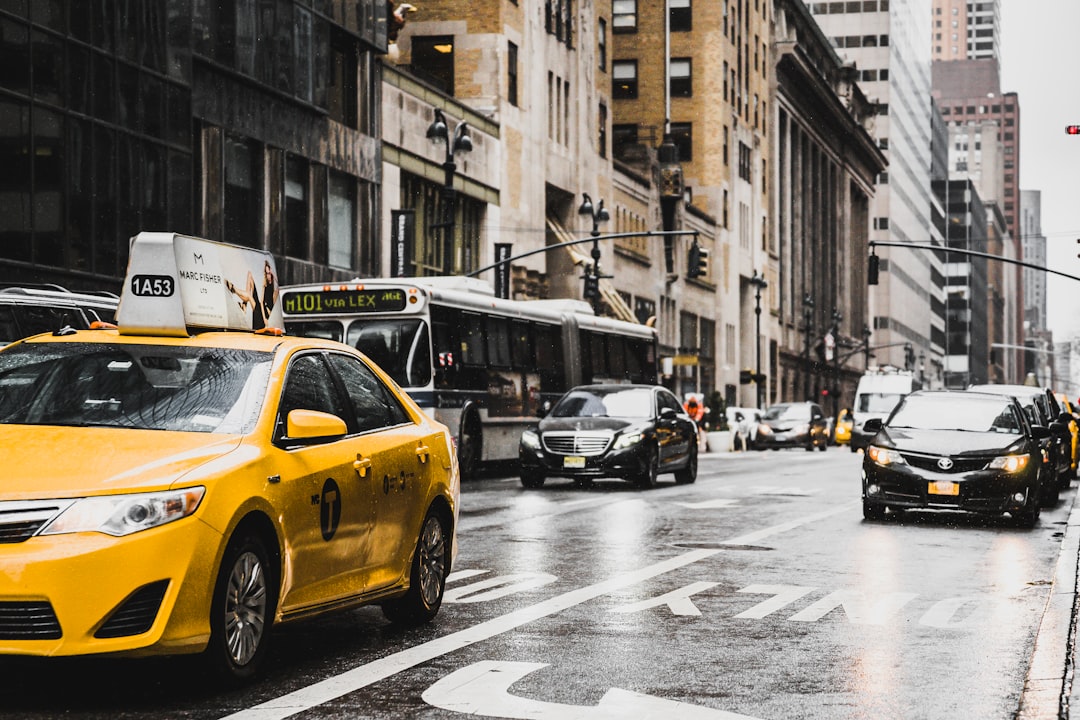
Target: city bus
<point>482,365</point>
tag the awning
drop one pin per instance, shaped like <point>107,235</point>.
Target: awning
<point>613,299</point>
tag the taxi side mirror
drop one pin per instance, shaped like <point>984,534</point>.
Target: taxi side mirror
<point>314,425</point>
<point>872,425</point>
<point>544,409</point>
<point>1040,432</point>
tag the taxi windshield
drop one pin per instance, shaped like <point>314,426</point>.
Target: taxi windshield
<point>929,412</point>
<point>149,387</point>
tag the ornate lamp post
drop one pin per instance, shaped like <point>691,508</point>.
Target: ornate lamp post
<point>592,277</point>
<point>458,141</point>
<point>808,328</point>
<point>837,318</point>
<point>760,283</point>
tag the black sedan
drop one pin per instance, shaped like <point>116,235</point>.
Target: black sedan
<point>796,424</point>
<point>952,450</point>
<point>633,432</point>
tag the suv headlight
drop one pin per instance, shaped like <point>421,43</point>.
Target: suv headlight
<point>630,438</point>
<point>885,456</point>
<point>1010,463</point>
<point>126,514</point>
<point>530,439</point>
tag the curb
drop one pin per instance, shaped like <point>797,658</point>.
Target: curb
<point>1048,685</point>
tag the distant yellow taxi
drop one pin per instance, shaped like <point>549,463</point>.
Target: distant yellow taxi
<point>844,421</point>
<point>1074,432</point>
<point>179,489</point>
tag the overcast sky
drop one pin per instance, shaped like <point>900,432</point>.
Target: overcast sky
<point>1040,61</point>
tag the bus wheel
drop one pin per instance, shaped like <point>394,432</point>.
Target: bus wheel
<point>469,446</point>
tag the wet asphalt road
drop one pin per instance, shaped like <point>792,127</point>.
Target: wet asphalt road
<point>757,592</point>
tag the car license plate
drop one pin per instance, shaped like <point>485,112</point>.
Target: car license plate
<point>573,462</point>
<point>944,487</point>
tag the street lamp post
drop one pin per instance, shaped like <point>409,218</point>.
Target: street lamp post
<point>808,318</point>
<point>837,318</point>
<point>759,283</point>
<point>598,215</point>
<point>922,367</point>
<point>457,141</point>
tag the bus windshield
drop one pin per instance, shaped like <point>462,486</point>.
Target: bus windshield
<point>399,346</point>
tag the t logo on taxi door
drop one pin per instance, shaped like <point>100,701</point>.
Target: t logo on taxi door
<point>330,509</point>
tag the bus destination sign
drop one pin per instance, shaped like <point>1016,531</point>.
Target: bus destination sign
<point>318,302</point>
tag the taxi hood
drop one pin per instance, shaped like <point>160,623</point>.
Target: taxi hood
<point>60,462</point>
<point>948,442</point>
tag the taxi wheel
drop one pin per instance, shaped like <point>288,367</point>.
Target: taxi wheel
<point>689,473</point>
<point>242,611</point>
<point>427,580</point>
<point>647,478</point>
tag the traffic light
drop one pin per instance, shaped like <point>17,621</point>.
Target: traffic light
<point>697,261</point>
<point>592,286</point>
<point>872,271</point>
<point>746,376</point>
<point>909,356</point>
<point>1072,129</point>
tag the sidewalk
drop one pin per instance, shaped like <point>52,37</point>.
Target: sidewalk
<point>1050,688</point>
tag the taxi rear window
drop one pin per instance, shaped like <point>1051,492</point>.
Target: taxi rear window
<point>149,387</point>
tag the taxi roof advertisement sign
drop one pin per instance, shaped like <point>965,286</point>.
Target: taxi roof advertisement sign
<point>175,282</point>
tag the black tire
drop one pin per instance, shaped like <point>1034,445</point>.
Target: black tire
<point>470,446</point>
<point>647,478</point>
<point>532,480</point>
<point>872,511</point>
<point>241,611</point>
<point>810,445</point>
<point>824,446</point>
<point>689,473</point>
<point>1028,516</point>
<point>427,578</point>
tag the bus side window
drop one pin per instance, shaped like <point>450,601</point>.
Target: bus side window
<point>498,342</point>
<point>472,340</point>
<point>549,359</point>
<point>594,351</point>
<point>634,364</point>
<point>617,358</point>
<point>521,345</point>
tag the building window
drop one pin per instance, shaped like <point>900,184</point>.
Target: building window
<point>881,223</point>
<point>680,17</point>
<point>296,207</point>
<point>681,80</point>
<point>744,161</point>
<point>341,220</point>
<point>624,80</point>
<point>725,144</point>
<point>601,44</point>
<point>512,73</point>
<point>623,135</point>
<point>243,192</point>
<point>624,16</point>
<point>433,60</point>
<point>341,93</point>
<point>683,134</point>
<point>602,122</point>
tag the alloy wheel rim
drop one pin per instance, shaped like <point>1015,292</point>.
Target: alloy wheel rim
<point>432,561</point>
<point>245,608</point>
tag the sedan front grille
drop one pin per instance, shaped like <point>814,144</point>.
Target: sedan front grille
<point>28,621</point>
<point>959,464</point>
<point>577,443</point>
<point>22,519</point>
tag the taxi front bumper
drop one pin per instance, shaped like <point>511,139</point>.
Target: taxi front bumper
<point>987,491</point>
<point>90,593</point>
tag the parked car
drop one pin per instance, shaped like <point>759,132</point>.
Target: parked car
<point>1074,429</point>
<point>1042,409</point>
<point>793,425</point>
<point>744,422</point>
<point>955,450</point>
<point>633,432</point>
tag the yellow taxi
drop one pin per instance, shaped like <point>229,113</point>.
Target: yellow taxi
<point>1074,431</point>
<point>182,482</point>
<point>842,433</point>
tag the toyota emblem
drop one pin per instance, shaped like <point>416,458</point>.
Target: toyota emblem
<point>945,463</point>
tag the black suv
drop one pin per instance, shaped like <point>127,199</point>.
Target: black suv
<point>32,309</point>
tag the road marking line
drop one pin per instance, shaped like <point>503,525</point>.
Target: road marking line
<point>372,672</point>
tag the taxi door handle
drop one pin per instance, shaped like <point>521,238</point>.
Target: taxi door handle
<point>423,452</point>
<point>362,464</point>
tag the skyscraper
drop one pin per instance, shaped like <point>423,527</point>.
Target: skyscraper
<point>966,30</point>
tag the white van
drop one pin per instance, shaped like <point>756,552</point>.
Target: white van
<point>878,392</point>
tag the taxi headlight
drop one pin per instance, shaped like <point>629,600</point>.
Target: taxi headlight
<point>885,456</point>
<point>764,430</point>
<point>126,514</point>
<point>627,439</point>
<point>1010,463</point>
<point>530,439</point>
